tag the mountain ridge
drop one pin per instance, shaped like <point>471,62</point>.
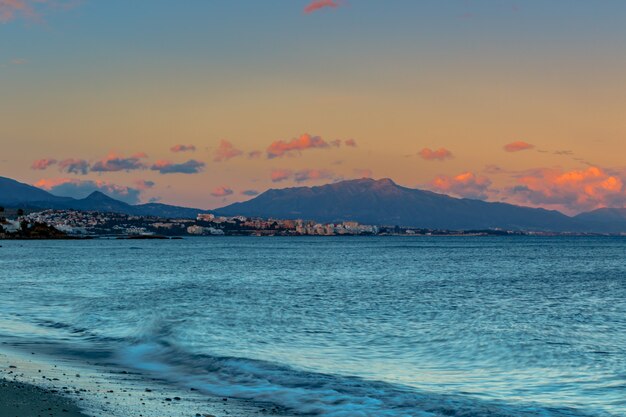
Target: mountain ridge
<point>14,193</point>
<point>368,201</point>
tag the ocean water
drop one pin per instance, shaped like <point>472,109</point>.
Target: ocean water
<point>340,327</point>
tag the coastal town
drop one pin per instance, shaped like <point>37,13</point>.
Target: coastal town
<point>90,224</point>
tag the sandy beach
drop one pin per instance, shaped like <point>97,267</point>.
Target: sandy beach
<point>35,384</point>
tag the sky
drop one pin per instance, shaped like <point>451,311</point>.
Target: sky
<point>204,102</point>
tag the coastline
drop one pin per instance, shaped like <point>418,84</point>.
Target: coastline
<point>35,384</point>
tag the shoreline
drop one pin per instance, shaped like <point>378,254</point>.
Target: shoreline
<point>35,384</point>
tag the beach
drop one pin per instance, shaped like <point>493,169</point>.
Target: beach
<point>34,384</point>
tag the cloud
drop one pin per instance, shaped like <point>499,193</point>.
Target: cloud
<point>571,191</point>
<point>351,143</point>
<point>70,187</point>
<point>250,193</point>
<point>313,175</point>
<point>222,192</point>
<point>11,9</point>
<point>144,184</point>
<point>115,163</point>
<point>438,155</point>
<point>28,9</point>
<point>42,164</point>
<point>518,146</point>
<point>303,175</point>
<point>281,148</point>
<point>166,167</point>
<point>467,185</point>
<point>74,166</point>
<point>278,175</point>
<point>226,151</point>
<point>254,154</point>
<point>316,5</point>
<point>183,148</point>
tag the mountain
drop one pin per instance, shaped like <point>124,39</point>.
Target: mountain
<point>168,211</point>
<point>383,202</point>
<point>380,202</point>
<point>14,194</point>
<point>604,219</point>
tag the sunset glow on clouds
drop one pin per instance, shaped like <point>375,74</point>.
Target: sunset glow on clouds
<point>282,148</point>
<point>183,148</point>
<point>316,5</point>
<point>438,155</point>
<point>518,146</point>
<point>42,164</point>
<point>571,191</point>
<point>467,185</point>
<point>222,191</point>
<point>278,175</point>
<point>226,151</point>
<point>10,9</point>
<point>331,90</point>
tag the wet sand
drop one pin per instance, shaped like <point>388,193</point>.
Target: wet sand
<point>33,385</point>
<point>25,400</point>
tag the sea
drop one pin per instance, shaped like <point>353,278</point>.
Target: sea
<point>338,326</point>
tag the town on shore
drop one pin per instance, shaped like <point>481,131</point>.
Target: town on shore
<point>68,224</point>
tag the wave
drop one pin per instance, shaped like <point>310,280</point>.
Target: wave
<point>307,393</point>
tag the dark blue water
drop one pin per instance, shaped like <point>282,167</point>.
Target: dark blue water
<point>380,326</point>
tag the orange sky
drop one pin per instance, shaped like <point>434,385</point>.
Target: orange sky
<point>211,104</point>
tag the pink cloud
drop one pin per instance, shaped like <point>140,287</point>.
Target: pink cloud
<point>254,154</point>
<point>467,185</point>
<point>144,184</point>
<point>281,148</point>
<point>351,143</point>
<point>518,146</point>
<point>222,191</point>
<point>571,191</point>
<point>28,9</point>
<point>438,155</point>
<point>42,164</point>
<point>320,4</point>
<point>278,175</point>
<point>183,148</point>
<point>226,151</point>
<point>10,9</point>
<point>305,175</point>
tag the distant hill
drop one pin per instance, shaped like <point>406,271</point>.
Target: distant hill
<point>379,202</point>
<point>383,202</point>
<point>604,219</point>
<point>14,194</point>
